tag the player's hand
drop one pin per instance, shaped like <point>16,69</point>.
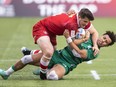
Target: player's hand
<point>96,50</point>
<point>66,33</point>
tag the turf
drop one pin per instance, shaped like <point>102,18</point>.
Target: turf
<point>17,32</point>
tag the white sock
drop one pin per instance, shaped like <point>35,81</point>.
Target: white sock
<point>9,71</point>
<point>44,66</point>
<point>44,63</point>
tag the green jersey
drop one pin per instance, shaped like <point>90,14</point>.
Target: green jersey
<point>68,58</point>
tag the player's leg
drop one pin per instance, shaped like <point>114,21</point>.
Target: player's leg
<point>27,51</point>
<point>42,38</point>
<point>17,66</point>
<point>47,49</point>
<point>56,73</point>
<point>28,59</point>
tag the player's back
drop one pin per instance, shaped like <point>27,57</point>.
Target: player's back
<point>58,23</point>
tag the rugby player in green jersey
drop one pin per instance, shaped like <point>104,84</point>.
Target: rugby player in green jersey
<point>65,60</point>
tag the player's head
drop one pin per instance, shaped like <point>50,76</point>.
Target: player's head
<point>85,16</point>
<point>107,39</point>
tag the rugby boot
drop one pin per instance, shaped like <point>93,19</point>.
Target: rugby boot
<point>25,51</point>
<point>3,74</point>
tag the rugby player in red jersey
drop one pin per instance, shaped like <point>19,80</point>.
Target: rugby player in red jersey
<point>46,30</point>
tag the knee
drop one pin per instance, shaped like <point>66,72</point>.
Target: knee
<point>52,75</point>
<point>48,53</point>
<point>26,59</point>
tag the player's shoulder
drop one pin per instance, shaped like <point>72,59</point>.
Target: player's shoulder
<point>87,27</point>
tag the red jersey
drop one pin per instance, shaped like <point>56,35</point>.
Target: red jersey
<point>55,25</point>
<point>58,23</point>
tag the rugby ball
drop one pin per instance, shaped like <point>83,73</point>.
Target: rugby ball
<point>80,33</point>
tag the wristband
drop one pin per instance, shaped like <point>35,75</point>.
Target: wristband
<point>69,40</point>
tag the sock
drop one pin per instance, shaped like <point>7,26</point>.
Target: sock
<point>10,70</point>
<point>36,51</point>
<point>44,65</point>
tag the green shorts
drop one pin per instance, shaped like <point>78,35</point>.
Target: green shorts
<point>59,59</point>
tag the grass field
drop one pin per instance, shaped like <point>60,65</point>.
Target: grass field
<point>16,32</point>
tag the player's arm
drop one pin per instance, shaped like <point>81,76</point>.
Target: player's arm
<point>82,53</point>
<point>95,35</point>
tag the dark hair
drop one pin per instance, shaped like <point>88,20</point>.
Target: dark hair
<point>86,13</point>
<point>112,37</point>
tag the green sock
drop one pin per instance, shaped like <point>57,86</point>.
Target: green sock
<point>13,67</point>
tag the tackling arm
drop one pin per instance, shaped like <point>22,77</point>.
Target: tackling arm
<point>95,35</point>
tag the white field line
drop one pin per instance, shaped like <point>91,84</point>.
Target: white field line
<point>95,74</point>
<point>88,75</point>
<point>72,75</point>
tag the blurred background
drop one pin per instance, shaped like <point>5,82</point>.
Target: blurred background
<point>17,18</point>
<point>42,8</point>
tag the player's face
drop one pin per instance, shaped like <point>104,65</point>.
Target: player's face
<point>83,22</point>
<point>104,40</point>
